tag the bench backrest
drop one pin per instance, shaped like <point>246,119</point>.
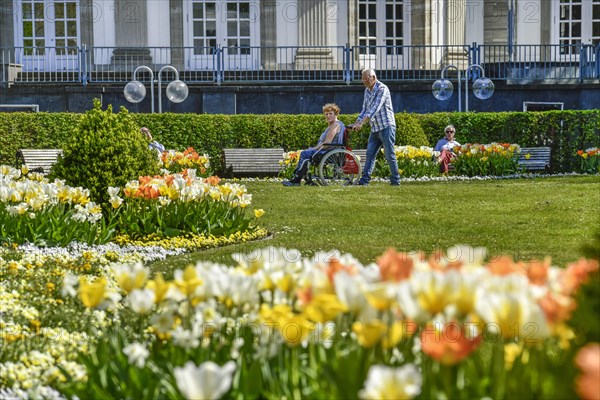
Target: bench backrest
<point>361,153</point>
<point>40,160</point>
<point>539,158</point>
<point>251,162</point>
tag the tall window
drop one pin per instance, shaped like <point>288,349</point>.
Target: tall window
<point>381,23</point>
<point>224,23</point>
<point>204,26</point>
<point>232,25</point>
<point>575,25</point>
<point>48,24</point>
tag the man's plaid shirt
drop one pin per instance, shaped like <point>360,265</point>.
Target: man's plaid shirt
<point>377,106</point>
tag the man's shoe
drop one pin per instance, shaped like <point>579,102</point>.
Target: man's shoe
<point>362,184</point>
<point>394,184</point>
<point>288,183</point>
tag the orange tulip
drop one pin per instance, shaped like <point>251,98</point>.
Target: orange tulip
<point>395,266</point>
<point>334,266</point>
<point>537,272</point>
<point>556,307</point>
<point>588,383</point>
<point>577,273</point>
<point>213,180</point>
<point>449,345</point>
<point>504,266</point>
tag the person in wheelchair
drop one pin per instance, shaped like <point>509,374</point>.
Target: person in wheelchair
<point>333,134</point>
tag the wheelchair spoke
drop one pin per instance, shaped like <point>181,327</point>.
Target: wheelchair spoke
<point>339,167</point>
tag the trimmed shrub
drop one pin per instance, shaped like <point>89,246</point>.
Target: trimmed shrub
<point>409,131</point>
<point>565,131</point>
<point>105,149</point>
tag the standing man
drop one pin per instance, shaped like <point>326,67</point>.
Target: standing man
<point>378,110</point>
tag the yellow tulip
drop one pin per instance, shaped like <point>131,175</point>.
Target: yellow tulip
<point>116,202</point>
<point>394,335</point>
<point>294,330</point>
<point>92,294</point>
<point>370,333</point>
<point>159,286</point>
<point>190,281</point>
<point>324,307</point>
<point>130,279</point>
<point>285,284</point>
<point>259,213</point>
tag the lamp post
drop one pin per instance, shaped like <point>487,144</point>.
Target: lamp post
<point>177,91</point>
<point>483,88</point>
<point>442,88</point>
<point>135,91</point>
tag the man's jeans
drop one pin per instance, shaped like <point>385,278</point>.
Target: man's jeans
<point>386,138</point>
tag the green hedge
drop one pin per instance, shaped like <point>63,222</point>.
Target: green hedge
<point>564,131</point>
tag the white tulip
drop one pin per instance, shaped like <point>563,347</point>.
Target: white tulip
<point>142,300</point>
<point>392,383</point>
<point>205,382</point>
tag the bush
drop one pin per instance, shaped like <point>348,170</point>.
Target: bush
<point>105,150</point>
<point>409,131</point>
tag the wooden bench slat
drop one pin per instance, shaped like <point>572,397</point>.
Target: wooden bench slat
<point>253,161</point>
<point>37,158</point>
<point>539,158</point>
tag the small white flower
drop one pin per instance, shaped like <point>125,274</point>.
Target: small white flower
<point>70,281</point>
<point>185,338</point>
<point>136,354</point>
<point>208,381</point>
<point>163,322</point>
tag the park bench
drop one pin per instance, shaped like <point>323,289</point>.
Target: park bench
<point>37,160</point>
<point>252,162</point>
<point>538,159</point>
<point>362,154</point>
<point>531,159</point>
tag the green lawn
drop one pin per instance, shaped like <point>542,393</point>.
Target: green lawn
<point>524,218</point>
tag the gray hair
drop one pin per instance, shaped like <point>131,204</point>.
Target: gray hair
<point>368,72</point>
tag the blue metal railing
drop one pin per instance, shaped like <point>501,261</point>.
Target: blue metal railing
<point>293,64</point>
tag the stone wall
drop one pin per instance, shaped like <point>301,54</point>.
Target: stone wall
<point>255,99</point>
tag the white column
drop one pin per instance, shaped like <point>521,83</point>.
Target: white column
<point>159,30</point>
<point>131,30</point>
<point>312,31</point>
<point>456,22</point>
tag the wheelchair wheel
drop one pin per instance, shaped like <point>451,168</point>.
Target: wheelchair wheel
<point>339,167</point>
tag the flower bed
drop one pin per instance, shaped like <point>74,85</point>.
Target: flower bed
<point>34,210</point>
<point>494,159</point>
<point>288,164</point>
<point>589,160</point>
<point>174,204</point>
<point>413,162</point>
<point>275,324</point>
<point>177,161</point>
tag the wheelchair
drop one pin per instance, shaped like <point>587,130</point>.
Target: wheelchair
<point>336,166</point>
